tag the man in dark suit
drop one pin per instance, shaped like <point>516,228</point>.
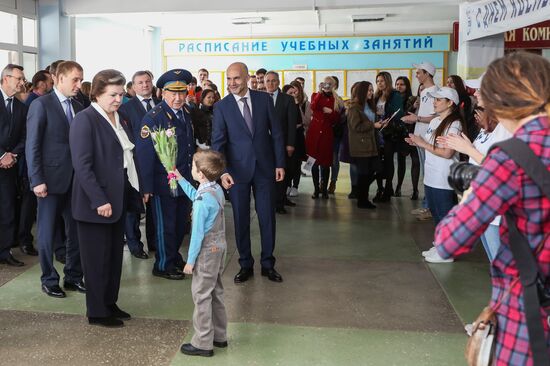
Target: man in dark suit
<point>51,173</point>
<point>247,132</point>
<point>135,109</point>
<point>287,114</point>
<point>13,115</point>
<point>171,209</point>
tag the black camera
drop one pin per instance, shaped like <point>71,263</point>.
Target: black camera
<point>461,175</point>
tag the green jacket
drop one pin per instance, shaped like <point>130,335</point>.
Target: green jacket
<point>361,134</point>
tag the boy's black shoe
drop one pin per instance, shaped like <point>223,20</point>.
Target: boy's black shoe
<point>220,344</point>
<point>169,275</point>
<point>189,350</point>
<point>109,322</point>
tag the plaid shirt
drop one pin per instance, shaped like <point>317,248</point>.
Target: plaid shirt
<point>502,186</point>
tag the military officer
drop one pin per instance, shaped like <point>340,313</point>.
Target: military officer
<point>171,214</point>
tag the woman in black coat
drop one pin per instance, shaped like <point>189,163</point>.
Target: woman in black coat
<point>202,119</point>
<point>104,172</point>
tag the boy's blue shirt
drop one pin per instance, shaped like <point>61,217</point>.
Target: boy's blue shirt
<point>205,210</point>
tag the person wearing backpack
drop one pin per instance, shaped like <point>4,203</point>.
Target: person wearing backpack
<point>516,92</point>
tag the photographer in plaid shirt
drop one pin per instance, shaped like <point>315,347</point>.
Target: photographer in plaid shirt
<point>516,91</point>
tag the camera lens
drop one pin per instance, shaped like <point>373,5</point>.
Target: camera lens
<point>461,176</point>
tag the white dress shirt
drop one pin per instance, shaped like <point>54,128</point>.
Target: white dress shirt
<point>151,102</point>
<point>127,146</point>
<point>241,104</point>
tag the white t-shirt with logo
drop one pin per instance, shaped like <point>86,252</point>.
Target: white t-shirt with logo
<point>436,168</point>
<point>484,141</point>
<point>425,109</point>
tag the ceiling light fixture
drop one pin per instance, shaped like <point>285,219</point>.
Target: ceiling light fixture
<point>368,18</point>
<point>249,20</point>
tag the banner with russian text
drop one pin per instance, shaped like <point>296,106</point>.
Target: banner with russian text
<point>489,17</point>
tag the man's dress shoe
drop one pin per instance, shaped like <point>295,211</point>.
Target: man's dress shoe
<point>54,291</point>
<point>289,203</point>
<point>109,322</point>
<point>244,275</point>
<point>189,350</point>
<point>75,286</point>
<point>116,312</point>
<point>11,261</point>
<point>272,275</point>
<point>29,250</point>
<point>281,210</point>
<point>140,254</point>
<point>169,275</point>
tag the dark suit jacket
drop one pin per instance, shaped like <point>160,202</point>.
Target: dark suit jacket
<point>287,113</point>
<point>246,154</point>
<point>135,111</point>
<point>12,131</point>
<point>47,148</point>
<point>98,162</point>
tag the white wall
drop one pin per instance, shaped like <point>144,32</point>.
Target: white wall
<point>103,44</point>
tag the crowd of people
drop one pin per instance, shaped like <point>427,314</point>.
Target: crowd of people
<point>77,157</point>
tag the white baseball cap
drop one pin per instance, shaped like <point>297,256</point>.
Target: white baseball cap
<point>474,83</point>
<point>446,92</point>
<point>427,66</point>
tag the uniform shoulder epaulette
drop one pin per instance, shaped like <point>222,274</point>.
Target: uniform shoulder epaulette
<point>156,109</point>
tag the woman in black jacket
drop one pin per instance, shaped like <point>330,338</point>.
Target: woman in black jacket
<point>105,173</point>
<point>202,119</point>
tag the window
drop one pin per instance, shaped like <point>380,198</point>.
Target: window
<point>29,32</point>
<point>8,57</point>
<point>29,64</point>
<point>8,28</point>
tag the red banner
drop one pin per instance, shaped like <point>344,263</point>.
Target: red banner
<point>533,36</point>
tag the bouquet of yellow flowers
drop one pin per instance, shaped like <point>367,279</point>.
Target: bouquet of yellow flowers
<point>166,147</point>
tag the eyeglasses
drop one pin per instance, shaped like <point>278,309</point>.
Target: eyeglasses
<point>18,79</point>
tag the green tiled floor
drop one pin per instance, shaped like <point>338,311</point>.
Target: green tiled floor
<point>264,344</point>
<point>356,292</point>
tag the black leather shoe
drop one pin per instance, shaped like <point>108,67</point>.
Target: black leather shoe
<point>28,250</point>
<point>220,344</point>
<point>272,275</point>
<point>315,195</point>
<point>243,275</point>
<point>366,204</point>
<point>281,211</point>
<point>11,261</point>
<point>169,275</point>
<point>54,291</point>
<point>325,195</point>
<point>140,254</point>
<point>109,322</point>
<point>189,350</point>
<point>414,196</point>
<point>289,203</point>
<point>116,312</point>
<point>75,286</point>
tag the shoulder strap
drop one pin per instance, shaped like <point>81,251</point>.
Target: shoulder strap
<point>522,154</point>
<point>529,274</point>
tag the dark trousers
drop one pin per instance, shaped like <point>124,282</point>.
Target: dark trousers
<point>172,215</point>
<point>7,212</point>
<point>367,169</point>
<point>132,232</point>
<point>282,186</point>
<point>321,185</point>
<point>101,248</point>
<point>390,148</point>
<point>50,208</point>
<point>264,196</point>
<point>26,212</point>
<point>150,231</point>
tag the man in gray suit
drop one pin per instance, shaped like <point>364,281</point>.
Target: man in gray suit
<point>51,173</point>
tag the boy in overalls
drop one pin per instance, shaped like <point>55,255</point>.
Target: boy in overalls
<point>206,257</point>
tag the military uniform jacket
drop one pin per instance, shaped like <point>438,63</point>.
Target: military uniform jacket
<point>153,174</point>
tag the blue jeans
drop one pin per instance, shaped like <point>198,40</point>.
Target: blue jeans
<point>491,241</point>
<point>440,202</point>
